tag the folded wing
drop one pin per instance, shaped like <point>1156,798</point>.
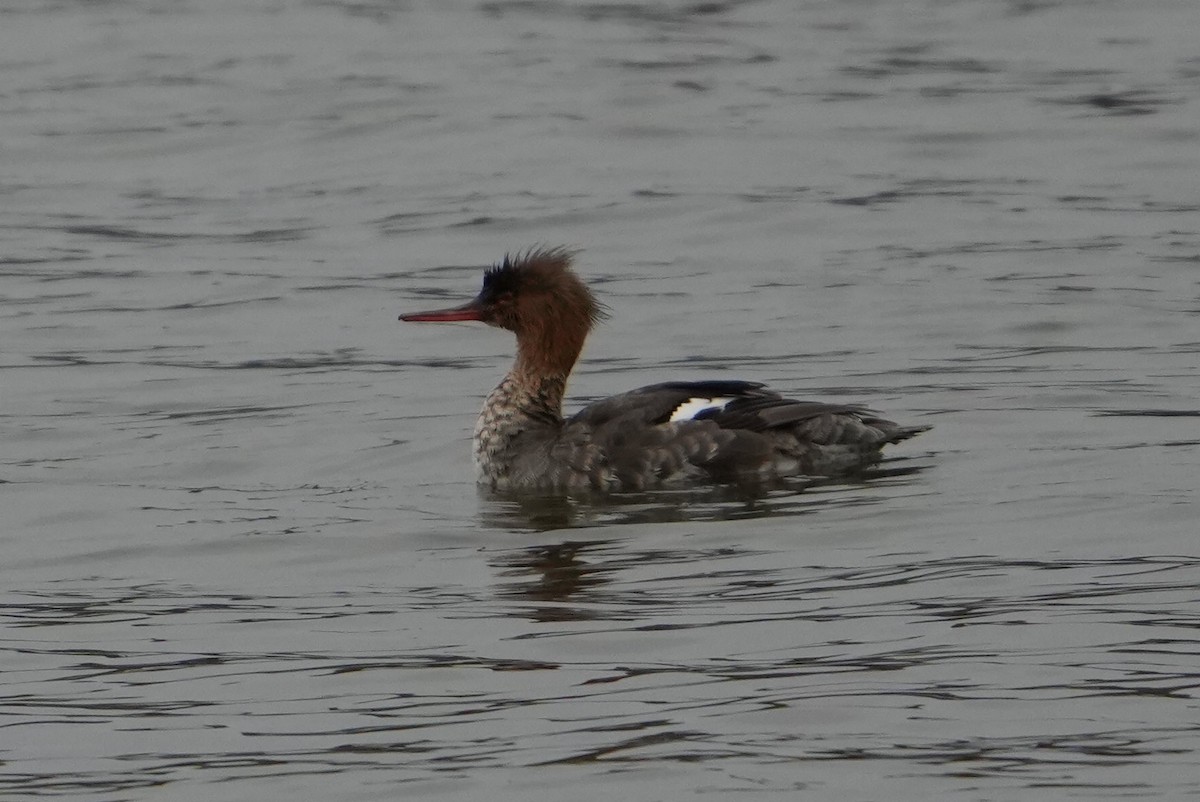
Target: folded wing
<point>727,429</point>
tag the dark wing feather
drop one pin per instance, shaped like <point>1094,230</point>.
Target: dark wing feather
<point>761,414</point>
<point>653,404</point>
<point>758,433</point>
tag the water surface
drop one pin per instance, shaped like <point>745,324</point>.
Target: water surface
<point>243,554</point>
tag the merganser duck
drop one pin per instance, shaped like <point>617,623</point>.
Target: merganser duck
<point>645,438</point>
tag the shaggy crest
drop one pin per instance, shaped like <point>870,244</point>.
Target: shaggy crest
<point>539,284</point>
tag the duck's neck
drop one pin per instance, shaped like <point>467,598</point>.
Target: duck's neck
<point>528,401</point>
<point>535,398</point>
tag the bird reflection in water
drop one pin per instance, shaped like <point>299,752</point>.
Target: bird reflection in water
<point>558,577</point>
<point>555,573</point>
<point>733,502</point>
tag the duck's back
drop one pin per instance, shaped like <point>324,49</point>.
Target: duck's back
<point>723,430</point>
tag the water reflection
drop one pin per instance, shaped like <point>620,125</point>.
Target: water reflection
<point>574,580</point>
<point>553,573</point>
<point>780,498</point>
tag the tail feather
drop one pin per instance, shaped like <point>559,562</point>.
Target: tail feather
<point>905,432</point>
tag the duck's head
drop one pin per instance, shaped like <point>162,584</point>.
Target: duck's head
<point>536,295</point>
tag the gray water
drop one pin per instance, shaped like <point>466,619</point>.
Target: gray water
<point>242,553</point>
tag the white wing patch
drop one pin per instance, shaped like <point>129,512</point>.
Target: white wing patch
<point>689,409</point>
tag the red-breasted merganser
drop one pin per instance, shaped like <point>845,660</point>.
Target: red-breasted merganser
<point>655,435</point>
